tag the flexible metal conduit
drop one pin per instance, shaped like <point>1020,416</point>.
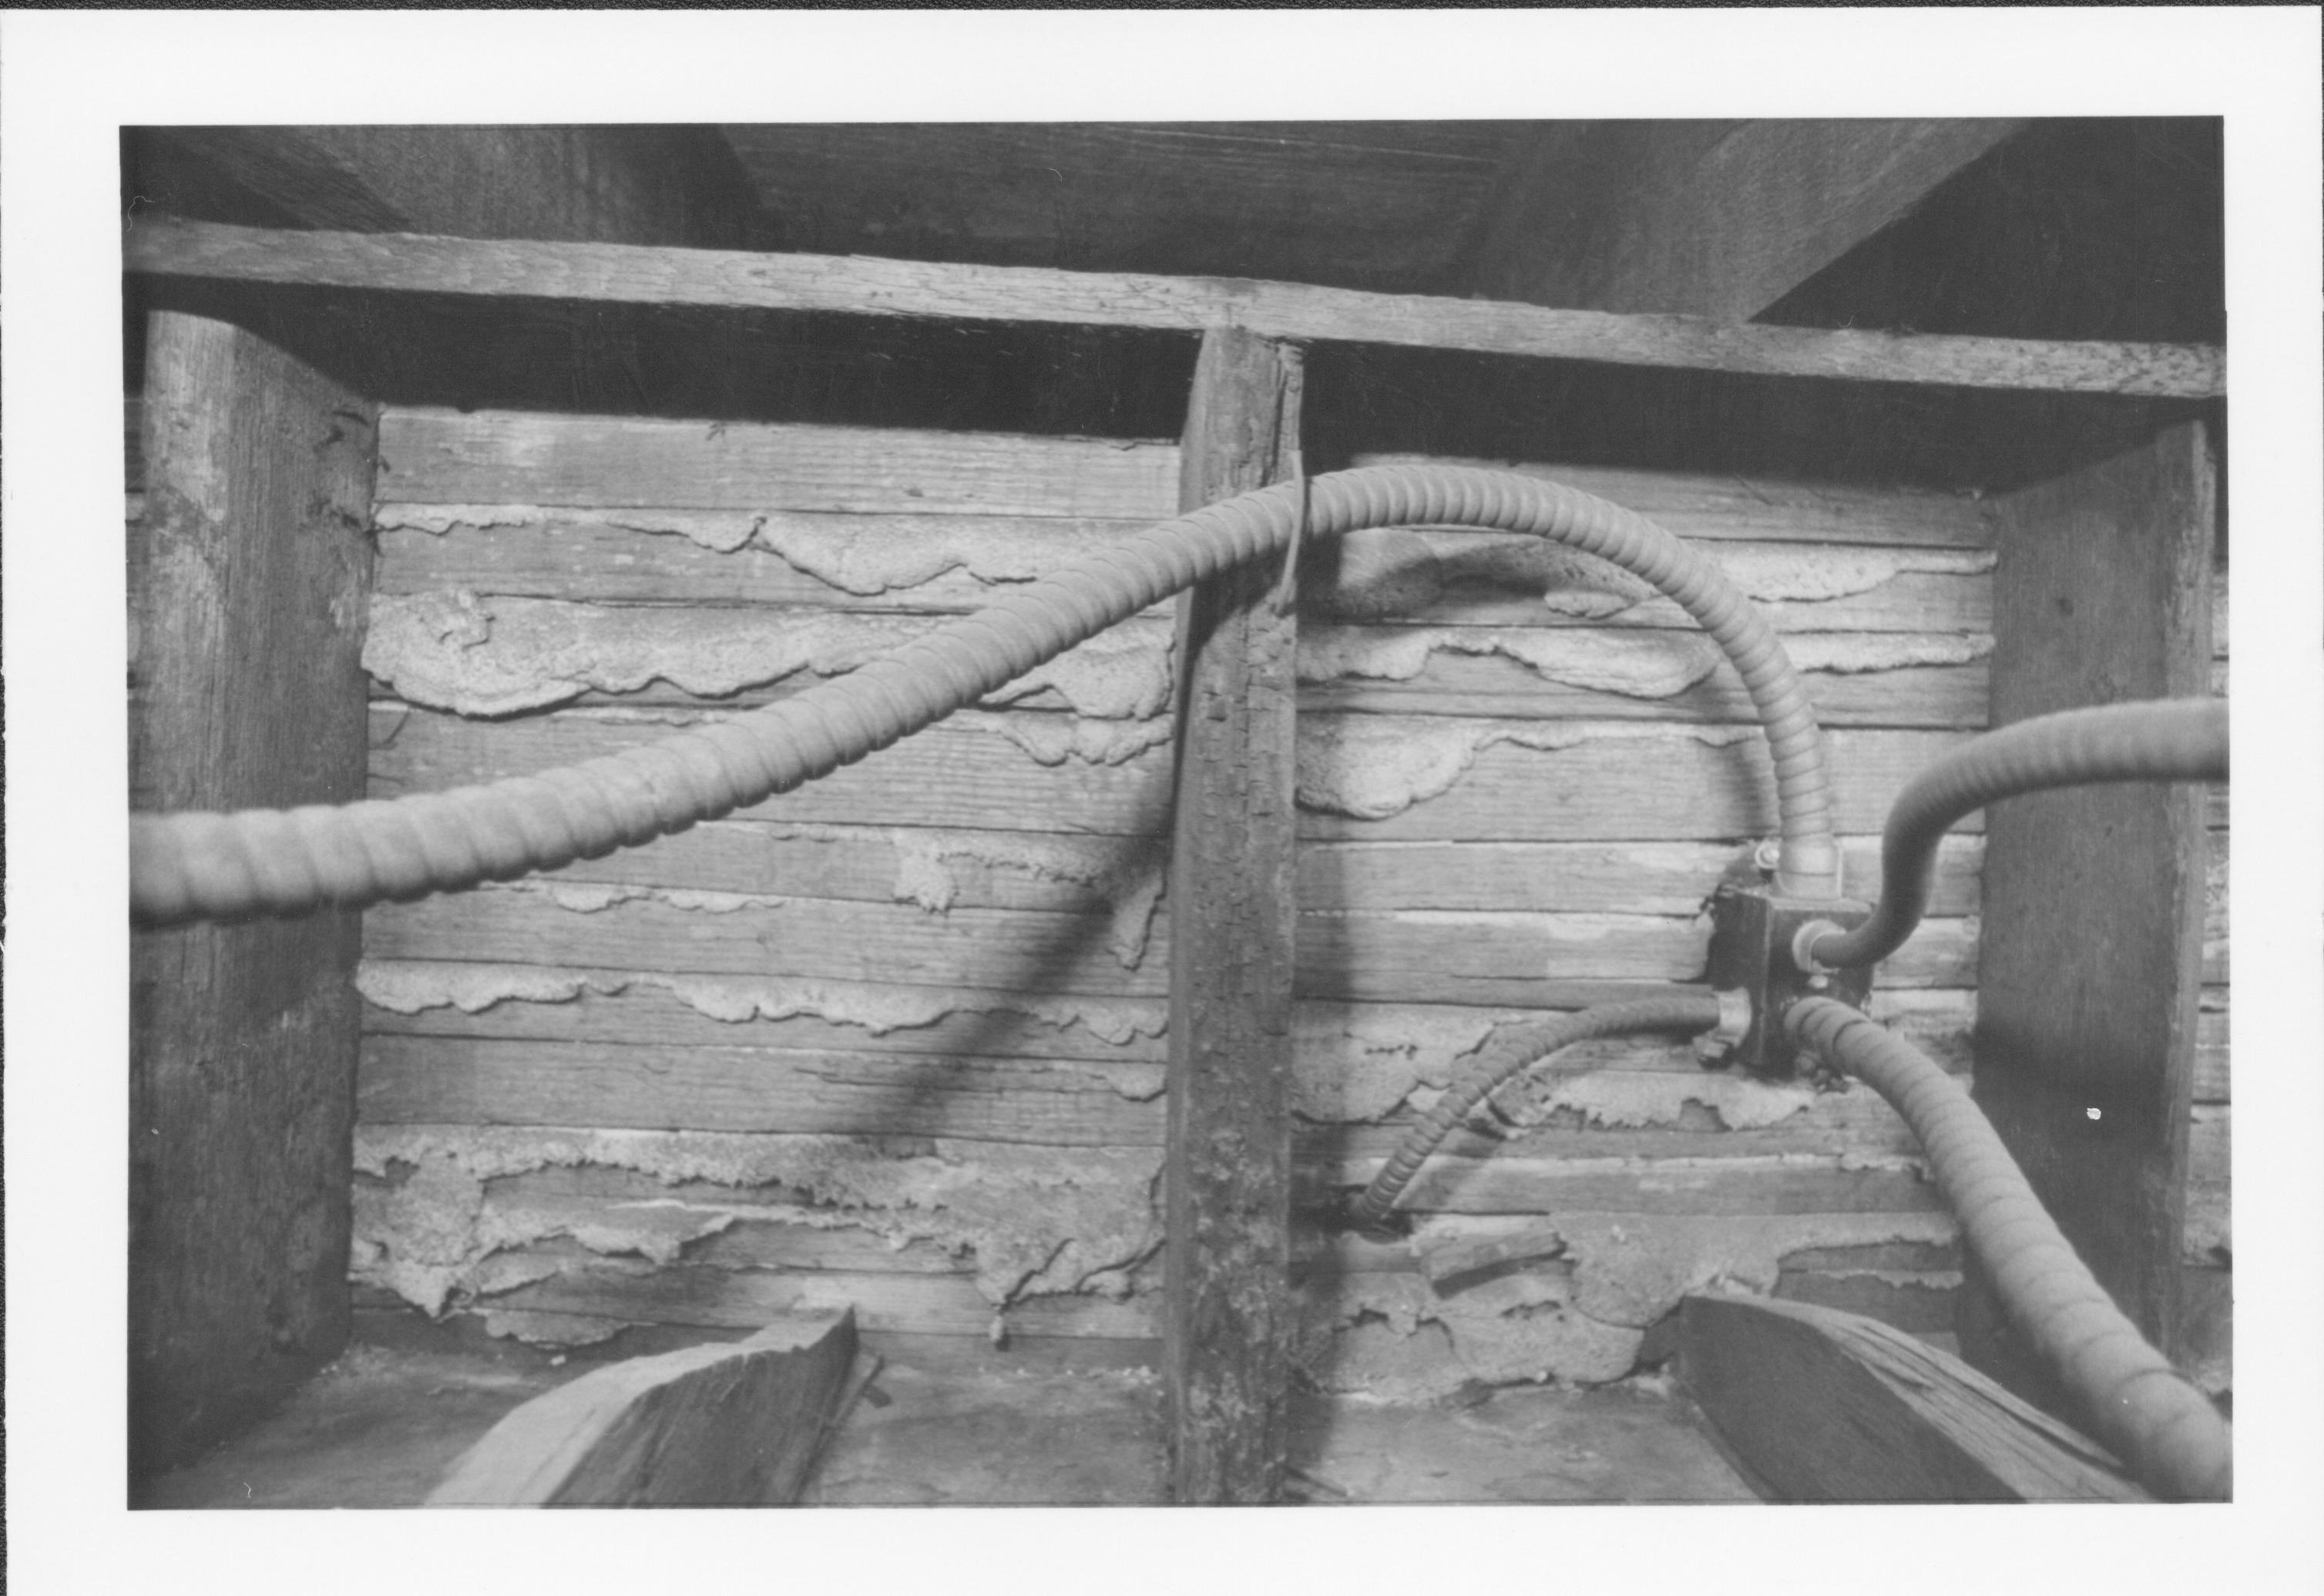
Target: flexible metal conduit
<point>2164,740</point>
<point>1510,1052</point>
<point>2128,1396</point>
<point>211,866</point>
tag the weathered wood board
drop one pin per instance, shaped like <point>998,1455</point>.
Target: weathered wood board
<point>1294,311</point>
<point>1829,1406</point>
<point>2086,1042</point>
<point>249,578</point>
<point>734,1424</point>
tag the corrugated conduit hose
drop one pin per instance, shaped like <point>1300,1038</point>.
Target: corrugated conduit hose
<point>195,865</point>
<point>1509,1053</point>
<point>2128,1396</point>
<point>2163,740</point>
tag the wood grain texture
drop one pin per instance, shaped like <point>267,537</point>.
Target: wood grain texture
<point>1360,204</point>
<point>249,578</point>
<point>2089,982</point>
<point>608,183</point>
<point>1824,1405</point>
<point>1228,1327</point>
<point>968,772</point>
<point>858,285</point>
<point>509,457</point>
<point>734,1424</point>
<point>1718,219</point>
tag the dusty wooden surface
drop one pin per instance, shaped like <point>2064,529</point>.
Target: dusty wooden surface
<point>860,285</point>
<point>615,184</point>
<point>1718,219</point>
<point>1226,1175</point>
<point>250,576</point>
<point>1371,204</point>
<point>732,1424</point>
<point>1824,1405</point>
<point>2094,902</point>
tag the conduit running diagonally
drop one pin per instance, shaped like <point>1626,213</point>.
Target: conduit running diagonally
<point>2128,1396</point>
<point>1510,1052</point>
<point>197,865</point>
<point>2163,740</point>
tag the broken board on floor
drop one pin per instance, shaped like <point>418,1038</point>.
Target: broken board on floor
<point>1821,1406</point>
<point>736,1423</point>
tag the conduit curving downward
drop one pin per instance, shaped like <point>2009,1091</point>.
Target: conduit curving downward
<point>1511,1051</point>
<point>2164,740</point>
<point>197,865</point>
<point>2128,1396</point>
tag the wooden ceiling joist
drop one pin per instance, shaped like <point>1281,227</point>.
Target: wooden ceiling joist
<point>856,285</point>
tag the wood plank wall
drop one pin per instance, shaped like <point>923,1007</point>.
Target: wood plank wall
<point>894,1040</point>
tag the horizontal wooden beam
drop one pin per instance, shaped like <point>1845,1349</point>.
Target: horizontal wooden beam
<point>860,285</point>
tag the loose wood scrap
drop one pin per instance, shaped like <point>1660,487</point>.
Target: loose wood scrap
<point>1829,1407</point>
<point>730,1424</point>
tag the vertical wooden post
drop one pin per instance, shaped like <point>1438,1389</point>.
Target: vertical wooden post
<point>2093,897</point>
<point>250,575</point>
<point>1233,914</point>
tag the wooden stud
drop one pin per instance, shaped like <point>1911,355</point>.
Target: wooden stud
<point>1227,1176</point>
<point>250,578</point>
<point>2093,897</point>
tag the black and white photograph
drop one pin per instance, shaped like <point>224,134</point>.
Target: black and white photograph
<point>1068,795</point>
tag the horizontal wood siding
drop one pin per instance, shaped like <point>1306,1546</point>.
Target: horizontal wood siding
<point>895,1039</point>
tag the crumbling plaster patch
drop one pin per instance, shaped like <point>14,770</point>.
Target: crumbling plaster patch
<point>1035,1220</point>
<point>411,986</point>
<point>496,656</point>
<point>1577,1310</point>
<point>1372,767</point>
<point>1638,664</point>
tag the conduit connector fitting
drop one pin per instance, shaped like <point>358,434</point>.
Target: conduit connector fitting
<point>1755,935</point>
<point>1714,1045</point>
<point>1804,945</point>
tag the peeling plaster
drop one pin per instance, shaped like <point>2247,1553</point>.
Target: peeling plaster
<point>1388,573</point>
<point>1637,1098</point>
<point>499,655</point>
<point>1579,1315</point>
<point>411,987</point>
<point>1035,1220</point>
<point>1128,873</point>
<point>1639,664</point>
<point>1053,739</point>
<point>1372,767</point>
<point>872,559</point>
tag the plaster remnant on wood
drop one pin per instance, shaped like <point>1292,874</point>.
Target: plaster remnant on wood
<point>1054,739</point>
<point>1035,1221</point>
<point>1577,1306</point>
<point>497,656</point>
<point>1633,1099</point>
<point>411,987</point>
<point>871,555</point>
<point>1388,573</point>
<point>1370,767</point>
<point>1127,872</point>
<point>1356,1062</point>
<point>722,532</point>
<point>554,1330</point>
<point>1637,664</point>
<point>597,897</point>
